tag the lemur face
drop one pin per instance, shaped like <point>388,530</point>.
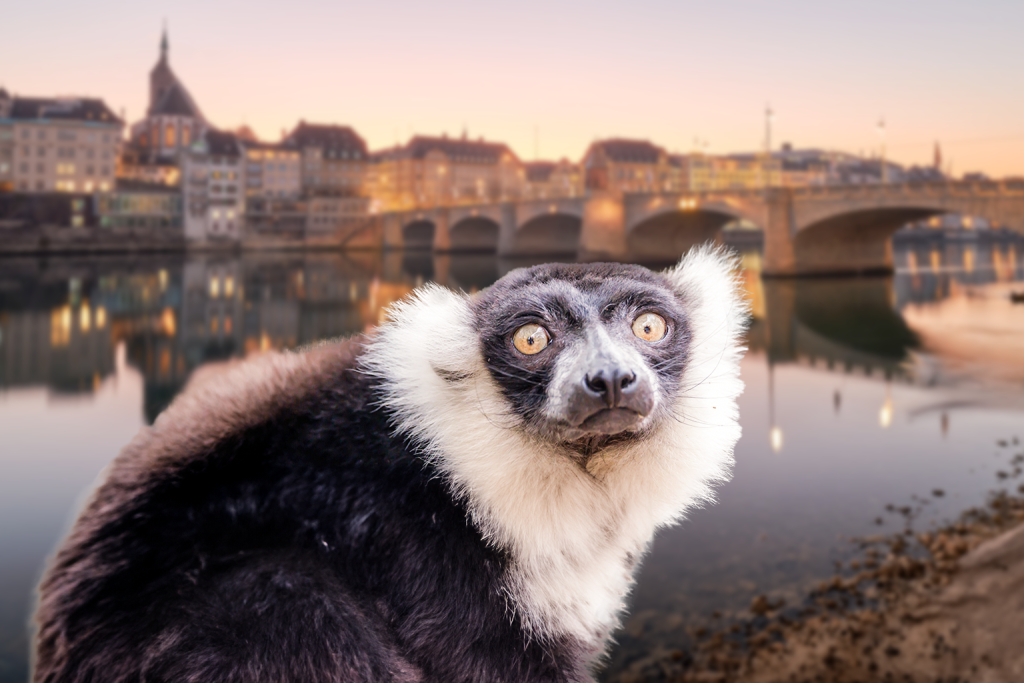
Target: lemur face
<point>585,353</point>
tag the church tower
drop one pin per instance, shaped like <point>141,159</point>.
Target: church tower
<point>161,78</point>
<point>173,121</point>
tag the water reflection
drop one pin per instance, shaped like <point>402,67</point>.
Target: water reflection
<point>846,403</point>
<point>60,320</point>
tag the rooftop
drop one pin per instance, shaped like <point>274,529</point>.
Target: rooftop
<point>176,101</point>
<point>332,139</point>
<point>456,149</point>
<point>221,143</point>
<point>629,151</point>
<point>63,108</point>
<point>539,171</point>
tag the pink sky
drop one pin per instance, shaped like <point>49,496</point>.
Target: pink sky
<point>669,71</point>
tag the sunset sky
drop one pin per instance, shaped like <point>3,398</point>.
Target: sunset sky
<point>554,76</point>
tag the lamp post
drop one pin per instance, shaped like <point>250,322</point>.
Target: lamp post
<point>881,134</point>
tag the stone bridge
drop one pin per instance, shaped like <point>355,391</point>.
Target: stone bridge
<point>820,230</point>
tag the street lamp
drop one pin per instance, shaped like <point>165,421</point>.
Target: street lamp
<point>881,135</point>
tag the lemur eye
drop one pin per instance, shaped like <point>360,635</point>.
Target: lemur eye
<point>649,327</point>
<point>531,339</point>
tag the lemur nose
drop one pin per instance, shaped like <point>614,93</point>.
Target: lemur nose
<point>610,385</point>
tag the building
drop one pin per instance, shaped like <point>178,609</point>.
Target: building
<point>136,164</point>
<point>334,159</point>
<point>173,120</point>
<point>440,171</point>
<point>327,214</point>
<point>272,171</point>
<point>546,179</point>
<point>213,189</point>
<point>620,165</point>
<point>66,144</point>
<point>135,204</point>
<point>713,173</point>
<point>6,142</point>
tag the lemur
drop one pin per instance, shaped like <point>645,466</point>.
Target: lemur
<point>462,495</point>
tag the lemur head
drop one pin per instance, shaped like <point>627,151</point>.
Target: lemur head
<point>585,354</point>
<point>575,357</point>
<point>575,408</point>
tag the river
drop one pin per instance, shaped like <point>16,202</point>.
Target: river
<point>861,393</point>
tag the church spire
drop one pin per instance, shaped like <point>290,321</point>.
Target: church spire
<point>163,43</point>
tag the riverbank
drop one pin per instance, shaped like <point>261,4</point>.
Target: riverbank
<point>942,605</point>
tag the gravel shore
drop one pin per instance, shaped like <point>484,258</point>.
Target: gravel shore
<point>940,606</point>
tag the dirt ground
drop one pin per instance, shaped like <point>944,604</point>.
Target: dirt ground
<point>934,607</point>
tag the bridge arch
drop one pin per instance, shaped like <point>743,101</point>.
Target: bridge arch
<point>667,235</point>
<point>554,234</point>
<point>858,241</point>
<point>474,233</point>
<point>419,234</point>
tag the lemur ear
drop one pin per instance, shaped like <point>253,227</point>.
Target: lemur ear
<point>707,274</point>
<point>706,279</point>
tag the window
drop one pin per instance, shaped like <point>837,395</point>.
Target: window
<point>41,135</point>
<point>66,135</point>
<point>89,170</point>
<point>40,151</point>
<point>170,136</point>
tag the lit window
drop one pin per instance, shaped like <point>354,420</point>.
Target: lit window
<point>214,287</point>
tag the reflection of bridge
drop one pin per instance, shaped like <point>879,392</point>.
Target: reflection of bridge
<point>844,324</point>
<point>807,230</point>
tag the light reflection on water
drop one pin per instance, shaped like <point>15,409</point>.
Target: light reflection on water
<point>860,392</point>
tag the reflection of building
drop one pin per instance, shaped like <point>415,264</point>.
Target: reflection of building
<point>627,166</point>
<point>65,144</point>
<point>62,340</point>
<point>552,179</point>
<point>211,310</point>
<point>436,171</point>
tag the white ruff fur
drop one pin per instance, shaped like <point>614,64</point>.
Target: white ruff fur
<point>575,536</point>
